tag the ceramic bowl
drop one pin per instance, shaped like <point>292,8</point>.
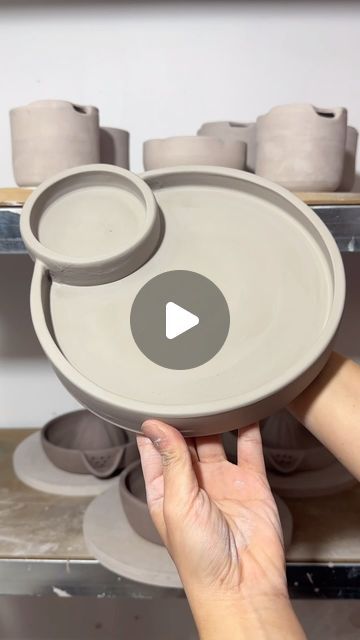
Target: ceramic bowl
<point>80,442</point>
<point>245,131</point>
<point>289,447</point>
<point>133,498</point>
<point>66,226</point>
<point>271,258</point>
<point>194,150</point>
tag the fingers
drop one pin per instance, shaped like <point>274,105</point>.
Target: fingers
<point>180,483</point>
<point>210,449</point>
<point>249,448</point>
<point>152,469</point>
<point>154,482</point>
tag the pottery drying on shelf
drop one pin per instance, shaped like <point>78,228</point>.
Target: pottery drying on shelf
<point>80,442</point>
<point>112,541</point>
<point>288,446</point>
<point>329,480</point>
<point>169,231</point>
<point>49,136</point>
<point>114,146</point>
<point>349,169</point>
<point>193,150</point>
<point>133,498</point>
<point>33,468</point>
<point>245,131</point>
<point>298,465</point>
<point>302,147</point>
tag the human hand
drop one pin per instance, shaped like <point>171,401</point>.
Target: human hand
<point>218,520</point>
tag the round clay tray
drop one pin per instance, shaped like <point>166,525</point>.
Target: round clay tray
<point>112,541</point>
<point>275,263</point>
<point>33,468</point>
<point>133,498</point>
<point>80,442</point>
<point>110,538</point>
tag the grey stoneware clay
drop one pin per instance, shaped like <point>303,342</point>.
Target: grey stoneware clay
<point>302,147</point>
<point>49,136</point>
<point>114,250</point>
<point>289,447</point>
<point>133,498</point>
<point>114,146</point>
<point>244,131</point>
<point>194,150</point>
<point>80,442</point>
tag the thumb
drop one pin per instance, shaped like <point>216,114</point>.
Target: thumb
<point>180,482</point>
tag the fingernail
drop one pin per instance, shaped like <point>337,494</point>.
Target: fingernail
<point>152,430</point>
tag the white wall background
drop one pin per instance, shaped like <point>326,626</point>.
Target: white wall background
<point>164,68</point>
<point>159,69</point>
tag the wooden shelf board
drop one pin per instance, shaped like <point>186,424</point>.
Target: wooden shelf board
<point>17,196</point>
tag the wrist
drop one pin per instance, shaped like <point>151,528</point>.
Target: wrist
<point>258,618</point>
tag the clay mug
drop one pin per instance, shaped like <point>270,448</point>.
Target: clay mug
<point>49,136</point>
<point>114,146</point>
<point>245,131</point>
<point>302,147</point>
<point>193,150</point>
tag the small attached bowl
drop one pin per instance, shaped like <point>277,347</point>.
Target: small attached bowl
<point>194,150</point>
<point>80,442</point>
<point>71,216</point>
<point>133,498</point>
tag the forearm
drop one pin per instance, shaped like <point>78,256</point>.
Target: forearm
<point>330,409</point>
<point>260,619</point>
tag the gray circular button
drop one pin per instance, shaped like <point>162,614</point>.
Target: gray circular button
<point>180,319</point>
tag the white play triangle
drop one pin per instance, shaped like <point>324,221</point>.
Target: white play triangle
<point>178,320</point>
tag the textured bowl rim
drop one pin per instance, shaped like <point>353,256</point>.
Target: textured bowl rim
<point>202,140</point>
<point>229,404</point>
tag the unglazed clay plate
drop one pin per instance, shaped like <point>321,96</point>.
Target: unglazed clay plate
<point>221,307</point>
<point>33,468</point>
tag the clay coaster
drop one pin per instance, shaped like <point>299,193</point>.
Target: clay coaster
<point>312,484</point>
<point>111,540</point>
<point>34,469</point>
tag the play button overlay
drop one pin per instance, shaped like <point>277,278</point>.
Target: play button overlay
<point>179,319</point>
